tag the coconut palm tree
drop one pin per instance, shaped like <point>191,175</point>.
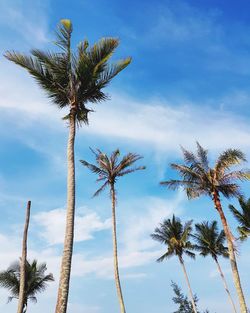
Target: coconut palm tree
<point>210,242</point>
<point>198,178</point>
<point>242,217</point>
<point>71,79</point>
<point>21,297</point>
<point>109,169</point>
<point>176,237</point>
<point>36,281</point>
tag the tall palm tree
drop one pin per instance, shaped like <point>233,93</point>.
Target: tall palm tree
<point>36,281</point>
<point>198,179</point>
<point>176,237</point>
<point>72,79</point>
<point>21,302</point>
<point>209,241</point>
<point>109,169</point>
<point>242,217</point>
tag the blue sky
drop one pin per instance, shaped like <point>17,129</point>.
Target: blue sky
<point>189,80</point>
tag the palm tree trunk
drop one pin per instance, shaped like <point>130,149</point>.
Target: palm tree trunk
<point>116,269</point>
<point>225,285</point>
<point>63,291</point>
<point>188,283</point>
<point>236,276</point>
<point>21,301</point>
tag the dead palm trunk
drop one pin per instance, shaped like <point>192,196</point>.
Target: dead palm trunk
<point>63,291</point>
<point>116,268</point>
<point>188,283</point>
<point>21,301</point>
<point>225,284</point>
<point>236,276</point>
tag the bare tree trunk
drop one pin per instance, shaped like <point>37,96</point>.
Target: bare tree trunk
<point>188,283</point>
<point>63,291</point>
<point>225,285</point>
<point>236,276</point>
<point>116,268</point>
<point>21,301</point>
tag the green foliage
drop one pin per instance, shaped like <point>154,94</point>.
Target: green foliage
<point>242,217</point>
<point>198,178</point>
<point>184,305</point>
<point>175,236</point>
<point>209,240</point>
<point>110,168</point>
<point>36,280</point>
<point>72,78</point>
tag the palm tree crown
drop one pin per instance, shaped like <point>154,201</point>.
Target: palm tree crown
<point>209,240</point>
<point>72,78</point>
<point>198,178</point>
<point>176,237</point>
<point>242,217</point>
<point>36,280</point>
<point>110,168</point>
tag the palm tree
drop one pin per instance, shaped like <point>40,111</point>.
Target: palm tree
<point>243,217</point>
<point>109,169</point>
<point>35,281</point>
<point>176,236</point>
<point>21,302</point>
<point>72,79</point>
<point>198,179</point>
<point>209,241</point>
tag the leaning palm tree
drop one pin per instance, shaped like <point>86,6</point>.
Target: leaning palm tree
<point>36,281</point>
<point>242,217</point>
<point>71,79</point>
<point>109,169</point>
<point>198,179</point>
<point>176,237</point>
<point>210,242</point>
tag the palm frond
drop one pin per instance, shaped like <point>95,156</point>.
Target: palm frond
<point>203,156</point>
<point>93,168</point>
<point>229,158</point>
<point>64,31</point>
<point>42,75</point>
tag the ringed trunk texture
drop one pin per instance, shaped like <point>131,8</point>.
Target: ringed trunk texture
<point>188,283</point>
<point>236,276</point>
<point>63,290</point>
<point>225,285</point>
<point>21,297</point>
<point>116,268</point>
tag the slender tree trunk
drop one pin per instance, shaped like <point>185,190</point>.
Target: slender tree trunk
<point>236,276</point>
<point>116,268</point>
<point>21,301</point>
<point>63,291</point>
<point>188,283</point>
<point>225,285</point>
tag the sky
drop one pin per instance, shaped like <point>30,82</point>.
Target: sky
<point>188,81</point>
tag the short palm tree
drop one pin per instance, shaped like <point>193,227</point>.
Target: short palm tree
<point>109,169</point>
<point>210,242</point>
<point>36,281</point>
<point>242,217</point>
<point>71,79</point>
<point>176,237</point>
<point>198,179</point>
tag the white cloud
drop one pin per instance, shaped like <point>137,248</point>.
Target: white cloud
<point>29,21</point>
<point>53,224</point>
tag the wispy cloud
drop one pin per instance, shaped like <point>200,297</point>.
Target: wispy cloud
<point>28,19</point>
<point>53,225</point>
